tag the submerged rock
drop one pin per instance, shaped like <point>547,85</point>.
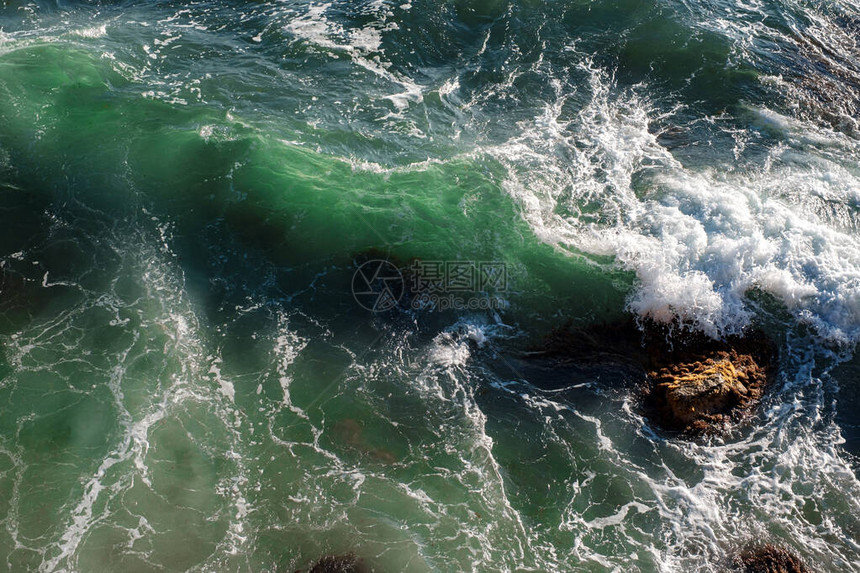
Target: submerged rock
<point>769,559</point>
<point>350,433</point>
<point>348,563</point>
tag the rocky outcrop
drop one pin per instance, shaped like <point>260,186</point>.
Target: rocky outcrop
<point>705,393</point>
<point>769,559</point>
<point>688,382</point>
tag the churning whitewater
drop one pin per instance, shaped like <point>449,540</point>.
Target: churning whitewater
<point>190,379</point>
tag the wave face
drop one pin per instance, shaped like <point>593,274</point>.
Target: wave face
<point>187,382</point>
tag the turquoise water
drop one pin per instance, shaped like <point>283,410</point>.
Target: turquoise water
<point>187,382</point>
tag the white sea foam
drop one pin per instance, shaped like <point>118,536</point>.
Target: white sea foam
<point>166,316</point>
<point>225,386</point>
<point>288,345</point>
<point>697,239</point>
<point>91,32</point>
<point>362,45</point>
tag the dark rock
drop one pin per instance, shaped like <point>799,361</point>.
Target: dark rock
<point>692,384</point>
<point>348,563</point>
<point>769,559</point>
<point>700,385</point>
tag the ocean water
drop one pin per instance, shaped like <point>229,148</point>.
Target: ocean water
<point>187,382</point>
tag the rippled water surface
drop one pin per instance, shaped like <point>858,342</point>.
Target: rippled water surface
<point>188,384</point>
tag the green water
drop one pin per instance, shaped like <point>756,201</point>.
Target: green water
<point>186,189</point>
